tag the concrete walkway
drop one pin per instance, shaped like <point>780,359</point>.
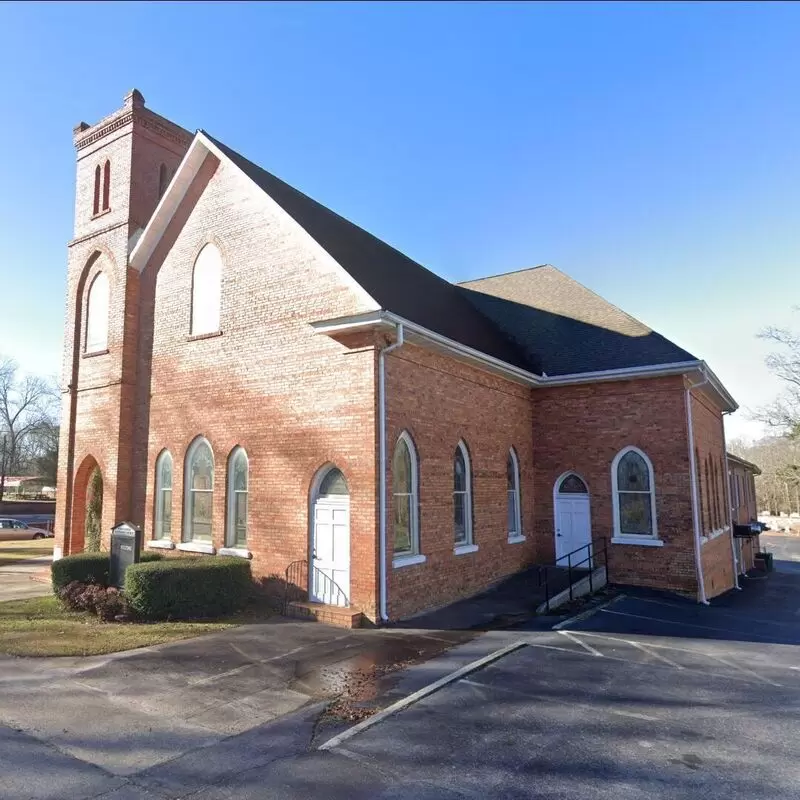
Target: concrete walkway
<point>17,580</point>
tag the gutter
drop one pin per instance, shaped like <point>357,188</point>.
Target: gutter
<point>695,495</point>
<point>382,465</point>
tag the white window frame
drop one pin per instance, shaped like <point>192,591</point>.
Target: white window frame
<point>230,516</point>
<point>412,556</point>
<point>468,545</point>
<point>97,317</point>
<point>188,542</point>
<point>517,534</point>
<point>206,291</point>
<point>159,496</point>
<point>650,540</point>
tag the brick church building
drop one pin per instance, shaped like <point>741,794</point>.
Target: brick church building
<point>253,375</point>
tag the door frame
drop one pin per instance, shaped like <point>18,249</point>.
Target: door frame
<point>556,495</point>
<point>314,498</point>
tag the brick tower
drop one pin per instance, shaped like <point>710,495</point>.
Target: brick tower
<point>125,162</point>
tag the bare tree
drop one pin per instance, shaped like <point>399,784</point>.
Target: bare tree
<point>28,417</point>
<point>783,415</point>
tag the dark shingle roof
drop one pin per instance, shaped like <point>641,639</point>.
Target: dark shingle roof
<point>538,319</point>
<point>393,280</point>
<point>566,326</point>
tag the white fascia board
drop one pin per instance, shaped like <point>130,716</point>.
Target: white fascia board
<point>168,205</point>
<point>352,323</point>
<point>366,298</point>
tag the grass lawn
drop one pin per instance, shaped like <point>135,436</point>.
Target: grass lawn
<point>39,626</point>
<point>21,551</point>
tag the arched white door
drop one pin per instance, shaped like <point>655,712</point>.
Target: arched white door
<point>329,581</point>
<point>572,517</point>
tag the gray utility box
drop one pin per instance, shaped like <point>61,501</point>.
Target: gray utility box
<point>126,545</point>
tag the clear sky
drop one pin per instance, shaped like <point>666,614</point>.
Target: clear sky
<point>651,151</point>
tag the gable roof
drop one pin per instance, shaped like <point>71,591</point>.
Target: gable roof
<point>393,280</point>
<point>566,326</point>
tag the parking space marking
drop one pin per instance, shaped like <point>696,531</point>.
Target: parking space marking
<point>652,652</point>
<point>746,671</point>
<point>584,645</point>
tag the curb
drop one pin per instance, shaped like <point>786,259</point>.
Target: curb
<point>587,613</point>
<point>415,697</point>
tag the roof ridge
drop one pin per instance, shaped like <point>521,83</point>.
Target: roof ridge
<point>509,272</point>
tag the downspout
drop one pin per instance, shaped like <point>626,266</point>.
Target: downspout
<point>382,465</point>
<point>730,506</point>
<point>695,496</point>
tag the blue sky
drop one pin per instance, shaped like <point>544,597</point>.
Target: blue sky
<point>650,151</point>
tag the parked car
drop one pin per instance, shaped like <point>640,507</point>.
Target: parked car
<point>15,529</point>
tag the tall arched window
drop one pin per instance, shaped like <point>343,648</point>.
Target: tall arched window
<point>634,496</point>
<point>97,178</point>
<point>163,180</point>
<point>206,291</point>
<point>163,497</point>
<point>238,482</point>
<point>462,496</point>
<point>106,186</point>
<point>405,492</point>
<point>97,303</point>
<point>514,516</point>
<point>198,492</point>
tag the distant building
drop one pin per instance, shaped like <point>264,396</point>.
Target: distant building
<point>254,375</point>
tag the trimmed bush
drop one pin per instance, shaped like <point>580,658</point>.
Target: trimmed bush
<point>105,601</point>
<point>187,588</point>
<point>87,568</point>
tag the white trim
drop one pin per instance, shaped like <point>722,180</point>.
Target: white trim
<point>727,497</point>
<point>516,539</point>
<point>514,536</point>
<point>187,476</point>
<point>464,549</point>
<point>695,499</point>
<point>413,521</point>
<point>383,579</point>
<point>620,537</point>
<point>408,561</point>
<point>238,552</point>
<point>557,494</point>
<point>468,540</point>
<point>197,547</point>
<point>230,500</point>
<point>160,544</point>
<point>641,541</point>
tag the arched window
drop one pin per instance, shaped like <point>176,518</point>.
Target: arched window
<point>163,497</point>
<point>238,482</point>
<point>405,491</point>
<point>514,515</point>
<point>163,180</point>
<point>106,186</point>
<point>97,178</point>
<point>206,291</point>
<point>634,495</point>
<point>462,496</point>
<point>97,303</point>
<point>198,492</point>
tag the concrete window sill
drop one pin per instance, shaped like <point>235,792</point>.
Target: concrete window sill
<point>93,353</point>
<point>464,549</point>
<point>408,561</point>
<point>196,337</point>
<point>198,547</point>
<point>641,541</point>
<point>160,544</point>
<point>238,552</point>
<point>516,539</point>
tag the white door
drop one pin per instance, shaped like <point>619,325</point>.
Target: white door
<point>573,521</point>
<point>330,575</point>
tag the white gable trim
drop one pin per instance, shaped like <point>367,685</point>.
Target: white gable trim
<point>176,191</point>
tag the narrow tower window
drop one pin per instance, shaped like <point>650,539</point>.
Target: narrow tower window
<point>96,204</point>
<point>106,185</point>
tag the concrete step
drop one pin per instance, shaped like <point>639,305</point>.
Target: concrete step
<point>340,616</point>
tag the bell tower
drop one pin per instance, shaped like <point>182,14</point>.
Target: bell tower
<point>124,164</point>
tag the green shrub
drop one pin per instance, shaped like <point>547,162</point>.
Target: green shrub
<point>87,568</point>
<point>82,567</point>
<point>186,588</point>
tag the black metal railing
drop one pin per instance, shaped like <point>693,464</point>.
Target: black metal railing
<point>596,556</point>
<point>296,586</point>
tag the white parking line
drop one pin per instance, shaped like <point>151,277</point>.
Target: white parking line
<point>572,638</point>
<point>745,670</point>
<point>653,653</point>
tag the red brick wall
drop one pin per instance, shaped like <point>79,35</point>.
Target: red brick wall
<point>294,400</point>
<point>582,428</point>
<point>440,401</point>
<point>745,511</point>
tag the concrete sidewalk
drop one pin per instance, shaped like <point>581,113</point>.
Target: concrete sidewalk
<point>22,579</point>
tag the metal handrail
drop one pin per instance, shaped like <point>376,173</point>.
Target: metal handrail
<point>591,555</point>
<point>302,564</point>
